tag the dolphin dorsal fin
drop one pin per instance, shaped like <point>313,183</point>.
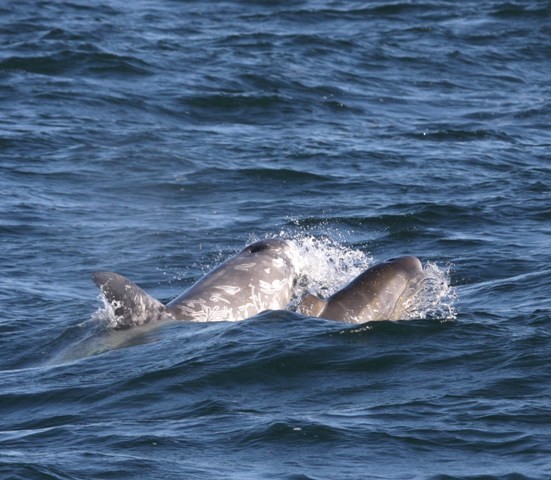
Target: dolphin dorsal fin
<point>311,305</point>
<point>132,306</point>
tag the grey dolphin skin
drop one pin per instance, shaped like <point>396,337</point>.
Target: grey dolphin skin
<point>260,277</point>
<point>382,292</point>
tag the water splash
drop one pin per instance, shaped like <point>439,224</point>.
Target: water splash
<point>105,316</point>
<point>434,297</point>
<point>326,265</point>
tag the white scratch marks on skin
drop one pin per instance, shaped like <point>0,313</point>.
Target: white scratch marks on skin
<point>200,311</point>
<point>245,266</point>
<point>219,298</point>
<point>271,288</point>
<point>278,262</point>
<point>229,289</point>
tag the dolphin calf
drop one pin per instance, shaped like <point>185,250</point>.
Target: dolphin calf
<point>260,277</point>
<point>383,292</point>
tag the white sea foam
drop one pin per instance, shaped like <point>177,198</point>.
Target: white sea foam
<point>324,266</point>
<point>436,297</point>
<point>105,315</point>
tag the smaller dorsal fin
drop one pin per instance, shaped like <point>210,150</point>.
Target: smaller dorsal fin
<point>132,306</point>
<point>311,305</point>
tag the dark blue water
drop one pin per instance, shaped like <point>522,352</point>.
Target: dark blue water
<point>157,138</point>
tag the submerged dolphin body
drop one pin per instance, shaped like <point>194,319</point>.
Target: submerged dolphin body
<point>260,277</point>
<point>382,292</point>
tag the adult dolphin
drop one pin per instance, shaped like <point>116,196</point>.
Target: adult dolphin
<point>260,277</point>
<point>383,292</point>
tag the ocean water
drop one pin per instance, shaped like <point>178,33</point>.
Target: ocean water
<point>156,138</point>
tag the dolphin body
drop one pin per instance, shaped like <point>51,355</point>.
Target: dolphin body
<point>260,277</point>
<point>382,292</point>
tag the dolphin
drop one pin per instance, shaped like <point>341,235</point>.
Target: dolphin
<point>260,277</point>
<point>382,292</point>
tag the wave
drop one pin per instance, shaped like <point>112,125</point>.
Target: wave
<point>86,59</point>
